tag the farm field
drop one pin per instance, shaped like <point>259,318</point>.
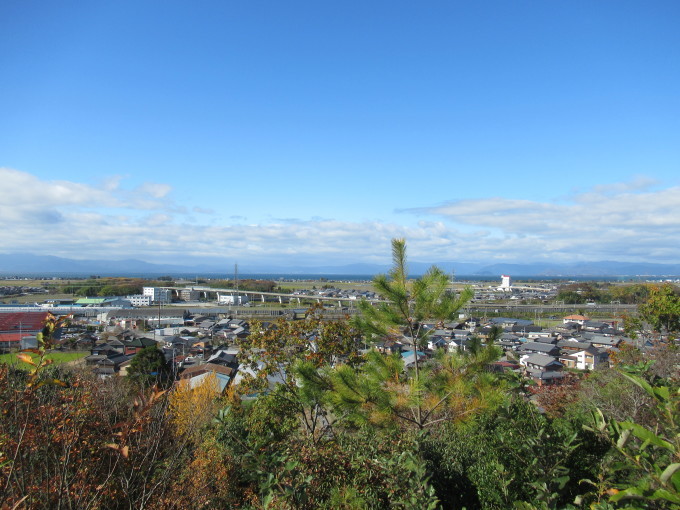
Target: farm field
<point>51,287</point>
<point>58,358</point>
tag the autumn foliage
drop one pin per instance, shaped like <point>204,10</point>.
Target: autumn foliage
<point>81,444</point>
<point>192,408</point>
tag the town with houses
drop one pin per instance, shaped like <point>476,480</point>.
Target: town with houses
<point>198,341</point>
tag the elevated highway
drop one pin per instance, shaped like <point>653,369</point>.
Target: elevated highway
<point>281,297</point>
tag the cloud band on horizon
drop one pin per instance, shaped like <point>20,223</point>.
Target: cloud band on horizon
<point>629,221</point>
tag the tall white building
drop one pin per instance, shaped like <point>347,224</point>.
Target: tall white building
<point>506,284</point>
<point>158,295</point>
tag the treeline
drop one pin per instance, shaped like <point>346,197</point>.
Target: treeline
<point>246,284</point>
<point>105,287</point>
<point>598,292</point>
<point>114,286</point>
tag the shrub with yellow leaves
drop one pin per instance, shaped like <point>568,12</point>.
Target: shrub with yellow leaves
<point>192,407</point>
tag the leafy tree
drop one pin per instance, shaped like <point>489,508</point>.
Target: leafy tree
<point>272,352</point>
<point>364,470</point>
<point>630,294</point>
<point>662,310</point>
<point>511,454</point>
<point>604,389</point>
<point>192,409</point>
<point>579,293</point>
<point>209,478</point>
<point>409,303</point>
<point>571,297</point>
<point>149,367</point>
<point>646,466</point>
<point>52,451</point>
<point>58,449</point>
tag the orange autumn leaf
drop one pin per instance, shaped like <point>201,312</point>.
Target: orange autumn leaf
<point>26,359</point>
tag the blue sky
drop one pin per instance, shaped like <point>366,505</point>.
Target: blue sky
<point>314,132</point>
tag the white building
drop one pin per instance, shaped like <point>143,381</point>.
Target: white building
<point>591,358</point>
<point>139,300</point>
<point>506,284</point>
<point>231,299</point>
<point>158,295</point>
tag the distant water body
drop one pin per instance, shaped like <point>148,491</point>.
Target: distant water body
<point>311,277</point>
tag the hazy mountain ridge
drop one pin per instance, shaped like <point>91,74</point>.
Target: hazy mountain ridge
<point>28,263</point>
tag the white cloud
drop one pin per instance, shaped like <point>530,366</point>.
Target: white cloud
<point>623,222</point>
<point>637,183</point>
<point>154,189</point>
<point>112,182</point>
<point>20,189</point>
<point>617,222</point>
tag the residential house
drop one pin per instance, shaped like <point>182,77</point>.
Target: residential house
<point>543,369</point>
<point>602,341</point>
<point>526,330</point>
<point>571,346</point>
<point>409,358</point>
<point>224,357</point>
<point>569,328</point>
<point>111,366</point>
<point>539,348</point>
<point>568,360</point>
<point>546,378</point>
<point>576,319</point>
<point>198,374</point>
<point>509,342</point>
<point>389,346</point>
<point>541,362</point>
<point>437,342</point>
<point>590,358</point>
<point>510,323</point>
<point>595,326</point>
<point>137,344</point>
<point>544,339</point>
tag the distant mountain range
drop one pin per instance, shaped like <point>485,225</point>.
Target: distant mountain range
<point>16,264</point>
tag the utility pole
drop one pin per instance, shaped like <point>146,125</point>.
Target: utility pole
<point>159,318</point>
<point>236,297</point>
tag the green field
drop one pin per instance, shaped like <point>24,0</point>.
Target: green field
<point>58,358</point>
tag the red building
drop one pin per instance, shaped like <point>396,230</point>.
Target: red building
<point>16,325</point>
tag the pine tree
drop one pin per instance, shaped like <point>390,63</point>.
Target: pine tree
<point>382,391</point>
